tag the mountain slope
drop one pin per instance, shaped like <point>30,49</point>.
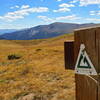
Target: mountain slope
<point>44,31</point>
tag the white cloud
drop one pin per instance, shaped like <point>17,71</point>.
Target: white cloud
<point>25,6</point>
<point>93,19</point>
<point>16,6</point>
<point>62,10</point>
<point>65,5</point>
<point>46,19</point>
<point>96,13</point>
<point>22,7</point>
<point>19,14</point>
<point>85,2</point>
<point>67,18</point>
<point>92,13</point>
<point>61,18</point>
<point>59,0</point>
<point>70,17</point>
<point>88,2</point>
<point>74,1</point>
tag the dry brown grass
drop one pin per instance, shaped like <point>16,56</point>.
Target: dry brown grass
<point>40,70</point>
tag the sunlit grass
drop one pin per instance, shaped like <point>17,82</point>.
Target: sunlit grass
<point>39,71</point>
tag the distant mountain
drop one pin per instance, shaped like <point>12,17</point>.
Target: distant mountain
<point>2,31</point>
<point>44,31</point>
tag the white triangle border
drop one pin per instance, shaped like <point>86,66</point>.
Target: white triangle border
<point>86,71</point>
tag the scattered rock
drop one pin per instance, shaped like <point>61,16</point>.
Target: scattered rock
<point>34,97</point>
<point>27,97</point>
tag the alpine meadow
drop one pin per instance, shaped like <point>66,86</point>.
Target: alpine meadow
<point>39,73</point>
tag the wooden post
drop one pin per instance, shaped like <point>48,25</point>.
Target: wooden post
<point>69,54</point>
<point>87,88</point>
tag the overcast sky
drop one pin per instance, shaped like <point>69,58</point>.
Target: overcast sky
<point>28,13</point>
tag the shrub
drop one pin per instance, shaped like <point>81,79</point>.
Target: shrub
<point>38,49</point>
<point>13,56</point>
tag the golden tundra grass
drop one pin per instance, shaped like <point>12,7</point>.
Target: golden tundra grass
<point>40,70</point>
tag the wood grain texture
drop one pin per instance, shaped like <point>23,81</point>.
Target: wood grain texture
<point>98,91</point>
<point>86,88</point>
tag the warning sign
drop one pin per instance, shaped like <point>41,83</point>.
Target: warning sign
<point>84,64</point>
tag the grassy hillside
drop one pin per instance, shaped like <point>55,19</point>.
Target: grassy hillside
<point>39,74</point>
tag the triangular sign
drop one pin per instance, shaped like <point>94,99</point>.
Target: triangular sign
<point>84,64</point>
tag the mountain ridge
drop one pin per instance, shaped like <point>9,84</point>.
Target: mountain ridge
<point>45,31</point>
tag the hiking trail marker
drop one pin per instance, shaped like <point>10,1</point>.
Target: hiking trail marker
<point>84,64</point>
<point>87,67</point>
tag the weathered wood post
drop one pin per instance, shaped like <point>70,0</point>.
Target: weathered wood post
<point>87,58</point>
<point>69,54</point>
